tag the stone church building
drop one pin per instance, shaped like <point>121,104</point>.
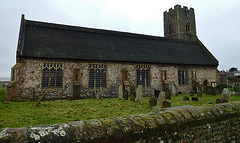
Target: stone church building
<point>71,61</point>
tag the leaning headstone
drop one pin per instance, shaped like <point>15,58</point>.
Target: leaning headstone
<point>221,100</point>
<point>156,93</point>
<point>152,101</point>
<point>167,94</point>
<point>199,94</point>
<point>139,94</point>
<point>166,104</point>
<point>226,94</point>
<point>161,97</point>
<point>120,92</point>
<point>185,98</point>
<point>194,99</point>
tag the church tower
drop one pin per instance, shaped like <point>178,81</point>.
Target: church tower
<point>179,23</point>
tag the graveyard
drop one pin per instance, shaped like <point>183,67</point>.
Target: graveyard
<point>63,111</point>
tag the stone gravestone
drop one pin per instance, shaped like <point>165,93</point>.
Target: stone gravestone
<point>208,90</point>
<point>226,94</point>
<point>173,89</point>
<point>166,104</point>
<point>194,99</point>
<point>120,92</point>
<point>132,93</point>
<point>125,94</point>
<point>156,93</point>
<point>167,94</point>
<point>185,98</point>
<point>199,94</point>
<point>153,101</point>
<point>161,97</point>
<point>139,94</point>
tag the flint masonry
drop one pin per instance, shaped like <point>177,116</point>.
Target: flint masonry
<point>70,61</point>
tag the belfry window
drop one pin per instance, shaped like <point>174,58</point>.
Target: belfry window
<point>182,77</point>
<point>52,75</point>
<point>97,76</point>
<point>143,75</point>
<point>170,29</point>
<point>188,27</point>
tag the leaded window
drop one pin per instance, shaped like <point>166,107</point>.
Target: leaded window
<point>97,76</point>
<point>52,75</point>
<point>182,77</point>
<point>143,75</point>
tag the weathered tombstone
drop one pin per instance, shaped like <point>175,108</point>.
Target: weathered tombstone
<point>194,99</point>
<point>161,97</point>
<point>167,94</point>
<point>152,101</point>
<point>132,93</point>
<point>38,102</point>
<point>125,94</point>
<point>120,92</point>
<point>191,93</point>
<point>166,104</point>
<point>156,93</point>
<point>185,98</point>
<point>139,94</point>
<point>199,94</point>
<point>174,90</point>
<point>212,91</point>
<point>226,94</point>
<point>221,100</point>
<point>208,90</point>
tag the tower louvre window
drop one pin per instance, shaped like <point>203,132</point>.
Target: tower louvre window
<point>188,27</point>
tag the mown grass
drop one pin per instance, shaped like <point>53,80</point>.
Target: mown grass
<point>21,114</point>
<point>2,94</point>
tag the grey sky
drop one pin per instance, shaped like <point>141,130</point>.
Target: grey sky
<point>217,22</point>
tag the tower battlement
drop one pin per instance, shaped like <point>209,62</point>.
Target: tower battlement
<point>179,23</point>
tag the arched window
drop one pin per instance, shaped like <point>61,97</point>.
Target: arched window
<point>182,77</point>
<point>143,75</point>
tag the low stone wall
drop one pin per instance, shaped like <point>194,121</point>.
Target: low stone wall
<point>215,123</point>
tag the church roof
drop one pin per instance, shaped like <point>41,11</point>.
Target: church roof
<point>48,40</point>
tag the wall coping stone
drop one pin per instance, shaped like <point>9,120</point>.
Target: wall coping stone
<point>124,129</point>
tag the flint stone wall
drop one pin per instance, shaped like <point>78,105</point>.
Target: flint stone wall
<point>215,123</point>
<point>29,79</point>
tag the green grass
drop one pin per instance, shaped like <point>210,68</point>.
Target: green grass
<point>2,94</point>
<point>21,114</point>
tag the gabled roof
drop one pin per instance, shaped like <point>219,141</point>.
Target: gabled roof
<point>47,40</point>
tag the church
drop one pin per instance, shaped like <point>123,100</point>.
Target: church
<point>71,61</point>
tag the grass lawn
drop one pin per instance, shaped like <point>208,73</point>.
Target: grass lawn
<point>20,114</point>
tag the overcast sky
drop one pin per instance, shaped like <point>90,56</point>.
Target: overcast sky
<point>218,22</point>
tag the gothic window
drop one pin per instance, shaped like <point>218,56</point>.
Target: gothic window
<point>188,29</point>
<point>143,75</point>
<point>76,74</point>
<point>182,77</point>
<point>125,74</point>
<point>97,76</point>
<point>52,75</point>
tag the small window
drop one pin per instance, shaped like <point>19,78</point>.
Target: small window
<point>52,75</point>
<point>97,76</point>
<point>125,74</point>
<point>164,75</point>
<point>182,77</point>
<point>76,75</point>
<point>143,75</point>
<point>170,29</point>
<point>188,27</point>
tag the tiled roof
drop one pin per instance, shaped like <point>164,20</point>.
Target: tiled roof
<point>47,40</point>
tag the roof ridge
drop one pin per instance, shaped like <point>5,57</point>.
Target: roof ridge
<point>104,31</point>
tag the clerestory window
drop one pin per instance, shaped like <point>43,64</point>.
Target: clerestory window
<point>97,76</point>
<point>52,75</point>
